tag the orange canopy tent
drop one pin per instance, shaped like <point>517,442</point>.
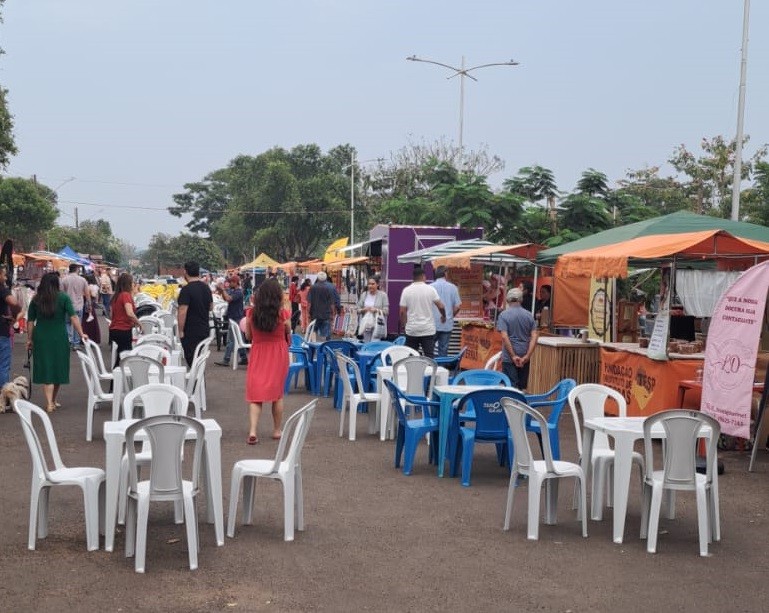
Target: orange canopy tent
<point>611,261</point>
<point>314,265</point>
<point>339,264</point>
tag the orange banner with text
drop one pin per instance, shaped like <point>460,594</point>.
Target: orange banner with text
<point>482,342</point>
<point>648,386</point>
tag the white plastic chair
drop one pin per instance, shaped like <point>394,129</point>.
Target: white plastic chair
<point>195,384</point>
<point>352,399</point>
<point>679,472</point>
<point>310,331</point>
<point>136,371</point>
<point>286,468</point>
<point>203,346</point>
<point>546,471</point>
<point>155,338</point>
<point>166,435</point>
<point>592,398</point>
<point>96,394</point>
<point>493,362</point>
<point>154,399</point>
<point>93,351</point>
<point>393,354</point>
<point>90,480</point>
<point>150,324</point>
<point>240,343</point>
<point>154,351</point>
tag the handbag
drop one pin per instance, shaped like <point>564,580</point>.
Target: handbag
<point>366,323</point>
<point>380,328</point>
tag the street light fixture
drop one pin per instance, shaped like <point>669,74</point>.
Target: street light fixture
<point>351,166</point>
<point>462,72</point>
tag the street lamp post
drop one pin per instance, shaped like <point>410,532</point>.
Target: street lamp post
<point>352,191</point>
<point>462,72</point>
<point>737,182</point>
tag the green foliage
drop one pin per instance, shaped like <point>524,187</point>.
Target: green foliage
<point>7,141</point>
<point>755,201</point>
<point>26,214</point>
<point>166,251</point>
<point>92,237</point>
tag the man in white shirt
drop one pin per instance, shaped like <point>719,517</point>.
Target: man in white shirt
<point>76,287</point>
<point>449,295</point>
<point>416,312</point>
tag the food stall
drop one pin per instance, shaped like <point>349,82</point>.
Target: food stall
<point>649,378</point>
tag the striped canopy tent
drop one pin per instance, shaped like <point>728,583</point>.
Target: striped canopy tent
<point>503,255</point>
<point>436,251</point>
<point>611,261</point>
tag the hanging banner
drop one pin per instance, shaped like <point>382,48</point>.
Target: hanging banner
<point>599,309</point>
<point>469,282</point>
<point>658,343</point>
<point>732,348</point>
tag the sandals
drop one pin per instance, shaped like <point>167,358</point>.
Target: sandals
<point>252,440</point>
<point>51,408</point>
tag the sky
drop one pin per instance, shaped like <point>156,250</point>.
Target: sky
<point>118,104</point>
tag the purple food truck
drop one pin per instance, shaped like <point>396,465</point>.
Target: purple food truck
<point>392,241</point>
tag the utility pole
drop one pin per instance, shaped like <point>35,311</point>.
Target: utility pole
<point>461,72</point>
<point>77,225</point>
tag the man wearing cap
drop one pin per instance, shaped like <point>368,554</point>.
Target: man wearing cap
<point>519,339</point>
<point>449,295</point>
<point>324,303</point>
<point>416,312</point>
<point>233,296</point>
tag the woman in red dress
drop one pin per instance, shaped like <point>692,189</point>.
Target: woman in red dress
<point>269,331</point>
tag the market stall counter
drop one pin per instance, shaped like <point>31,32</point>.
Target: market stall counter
<point>649,386</point>
<point>561,357</point>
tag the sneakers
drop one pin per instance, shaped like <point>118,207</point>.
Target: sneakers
<point>242,362</point>
<point>222,363</point>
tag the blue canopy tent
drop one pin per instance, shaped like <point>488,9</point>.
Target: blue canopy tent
<point>67,253</point>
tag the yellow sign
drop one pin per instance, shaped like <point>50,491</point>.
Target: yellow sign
<point>332,252</point>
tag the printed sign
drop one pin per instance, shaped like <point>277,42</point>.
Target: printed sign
<point>658,344</point>
<point>469,282</point>
<point>599,309</point>
<point>732,348</point>
<point>481,343</point>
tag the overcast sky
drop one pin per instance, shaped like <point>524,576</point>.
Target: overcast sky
<point>118,104</point>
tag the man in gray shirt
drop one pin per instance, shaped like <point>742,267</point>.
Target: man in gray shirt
<point>449,295</point>
<point>519,339</point>
<point>76,287</point>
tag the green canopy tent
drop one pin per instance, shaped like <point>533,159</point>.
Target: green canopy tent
<point>674,223</point>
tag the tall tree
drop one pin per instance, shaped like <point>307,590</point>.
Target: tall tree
<point>91,237</point>
<point>755,200</point>
<point>26,213</point>
<point>710,175</point>
<point>537,184</point>
<point>655,195</point>
<point>165,252</point>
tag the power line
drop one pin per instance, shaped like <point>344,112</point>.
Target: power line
<point>165,210</point>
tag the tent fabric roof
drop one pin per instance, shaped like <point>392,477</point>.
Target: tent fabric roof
<point>261,261</point>
<point>346,262</point>
<point>443,249</point>
<point>674,223</point>
<point>491,254</point>
<point>612,260</point>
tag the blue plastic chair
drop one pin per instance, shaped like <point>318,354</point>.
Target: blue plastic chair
<point>326,362</point>
<point>300,362</point>
<point>490,427</point>
<point>556,398</point>
<point>369,374</point>
<point>421,373</point>
<point>479,376</point>
<point>452,362</point>
<point>411,430</point>
<point>400,340</point>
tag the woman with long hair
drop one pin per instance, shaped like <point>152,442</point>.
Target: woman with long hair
<point>48,337</point>
<point>371,302</point>
<point>304,304</point>
<point>123,315</point>
<point>91,321</point>
<point>269,331</point>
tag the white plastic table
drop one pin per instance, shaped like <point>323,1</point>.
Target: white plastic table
<point>114,435</point>
<point>625,431</point>
<point>175,375</point>
<point>386,418</point>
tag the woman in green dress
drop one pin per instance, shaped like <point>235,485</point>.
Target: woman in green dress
<point>48,337</point>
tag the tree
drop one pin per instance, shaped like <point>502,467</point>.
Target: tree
<point>535,184</point>
<point>287,203</point>
<point>91,237</point>
<point>711,175</point>
<point>7,141</point>
<point>25,212</point>
<point>165,252</point>
<point>652,195</point>
<point>755,200</point>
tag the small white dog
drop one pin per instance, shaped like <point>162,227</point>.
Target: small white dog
<point>13,390</point>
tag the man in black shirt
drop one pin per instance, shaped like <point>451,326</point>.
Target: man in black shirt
<point>324,303</point>
<point>195,303</point>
